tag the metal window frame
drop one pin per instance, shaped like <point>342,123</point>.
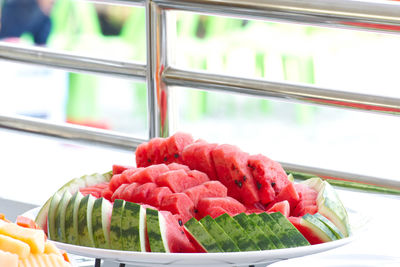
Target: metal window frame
<point>160,73</point>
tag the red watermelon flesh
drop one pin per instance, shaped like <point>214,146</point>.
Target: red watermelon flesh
<point>177,240</point>
<point>118,191</point>
<point>306,232</point>
<point>283,207</point>
<point>175,144</point>
<point>140,193</point>
<point>178,203</point>
<point>305,192</point>
<point>198,157</point>
<point>198,176</point>
<point>122,178</point>
<point>118,169</point>
<point>89,191</point>
<point>148,174</point>
<point>176,166</point>
<point>214,212</point>
<point>269,175</point>
<point>141,156</point>
<point>107,193</point>
<point>305,207</point>
<point>223,172</point>
<point>126,194</point>
<point>153,152</point>
<point>115,182</point>
<point>156,196</point>
<point>289,193</point>
<point>230,205</point>
<point>207,189</point>
<point>177,180</point>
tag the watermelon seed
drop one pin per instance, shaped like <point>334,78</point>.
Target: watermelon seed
<point>273,184</point>
<point>238,183</point>
<point>182,232</point>
<point>196,210</point>
<point>251,167</point>
<point>165,159</point>
<point>244,178</point>
<point>149,160</point>
<point>258,185</point>
<point>180,222</point>
<point>176,155</point>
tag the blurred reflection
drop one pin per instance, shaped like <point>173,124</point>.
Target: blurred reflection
<point>26,16</point>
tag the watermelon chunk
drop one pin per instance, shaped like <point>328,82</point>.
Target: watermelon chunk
<point>176,166</point>
<point>117,193</point>
<point>141,193</point>
<point>141,156</point>
<point>175,145</point>
<point>118,169</point>
<point>198,176</point>
<point>156,196</point>
<point>178,203</point>
<point>148,174</point>
<point>289,193</point>
<point>176,180</point>
<point>232,169</point>
<point>128,191</point>
<point>198,157</point>
<point>107,193</point>
<point>228,204</point>
<point>153,151</point>
<point>269,175</point>
<point>207,189</point>
<point>283,207</point>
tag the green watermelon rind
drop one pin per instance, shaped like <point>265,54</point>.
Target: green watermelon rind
<point>116,227</point>
<point>236,232</point>
<point>101,215</point>
<point>85,231</point>
<point>318,228</point>
<point>130,227</point>
<point>267,230</point>
<point>223,239</point>
<point>71,219</point>
<point>72,186</point>
<point>51,226</point>
<point>278,230</point>
<point>205,240</point>
<point>60,217</point>
<point>254,232</point>
<point>330,225</point>
<point>294,234</point>
<point>154,232</point>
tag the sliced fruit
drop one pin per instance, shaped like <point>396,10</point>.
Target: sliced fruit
<point>8,259</point>
<point>51,217</point>
<point>201,236</point>
<point>157,243</point>
<point>35,238</point>
<point>60,217</point>
<point>236,232</point>
<point>223,240</point>
<point>130,227</point>
<point>101,221</point>
<point>85,230</point>
<point>116,224</point>
<point>71,219</point>
<point>314,230</point>
<point>267,230</point>
<point>254,232</point>
<point>277,229</point>
<point>297,238</point>
<point>330,225</point>
<point>282,206</point>
<point>14,246</point>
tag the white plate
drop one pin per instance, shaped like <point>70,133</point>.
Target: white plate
<point>200,259</point>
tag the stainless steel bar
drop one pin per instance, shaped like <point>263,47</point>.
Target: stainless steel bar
<point>352,177</point>
<point>156,58</point>
<point>71,62</point>
<point>119,2</point>
<point>371,15</point>
<point>291,91</point>
<point>73,132</point>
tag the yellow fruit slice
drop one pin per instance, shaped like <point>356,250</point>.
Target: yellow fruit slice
<point>50,248</point>
<point>33,237</point>
<point>8,259</point>
<point>14,246</point>
<point>43,260</point>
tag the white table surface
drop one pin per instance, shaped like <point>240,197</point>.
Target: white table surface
<point>32,167</point>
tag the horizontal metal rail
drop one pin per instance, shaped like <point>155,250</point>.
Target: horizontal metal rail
<point>69,131</point>
<point>71,62</point>
<point>380,16</point>
<point>291,91</point>
<point>339,175</point>
<point>126,142</point>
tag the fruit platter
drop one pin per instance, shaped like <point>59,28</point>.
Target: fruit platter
<point>190,202</point>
